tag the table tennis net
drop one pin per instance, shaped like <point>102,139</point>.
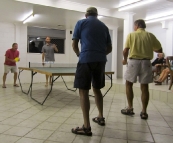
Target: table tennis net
<point>46,64</point>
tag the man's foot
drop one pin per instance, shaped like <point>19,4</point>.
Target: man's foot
<point>100,121</point>
<point>50,83</point>
<point>158,83</point>
<point>4,86</point>
<point>46,85</point>
<point>127,111</point>
<point>144,116</point>
<point>16,85</point>
<point>82,131</point>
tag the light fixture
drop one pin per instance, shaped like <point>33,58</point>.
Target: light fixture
<point>99,16</point>
<point>28,18</point>
<point>127,2</point>
<point>159,19</point>
<point>135,4</point>
<point>38,37</point>
<point>159,15</point>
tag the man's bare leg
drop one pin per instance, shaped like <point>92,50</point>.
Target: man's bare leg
<point>144,97</point>
<point>4,79</point>
<point>15,78</point>
<point>99,101</point>
<point>164,75</point>
<point>85,105</point>
<point>129,94</point>
<point>47,77</point>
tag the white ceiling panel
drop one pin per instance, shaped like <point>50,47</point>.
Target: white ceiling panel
<point>47,16</point>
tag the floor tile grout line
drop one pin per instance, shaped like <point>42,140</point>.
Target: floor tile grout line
<point>53,114</point>
<point>148,126</point>
<point>62,124</point>
<point>107,117</point>
<point>28,119</point>
<point>126,120</point>
<point>163,118</point>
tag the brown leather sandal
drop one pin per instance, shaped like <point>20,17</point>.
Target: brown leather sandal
<point>82,131</point>
<point>100,121</point>
<point>127,111</point>
<point>144,116</point>
<point>16,85</point>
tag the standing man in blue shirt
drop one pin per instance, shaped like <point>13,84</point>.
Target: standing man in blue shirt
<point>95,45</point>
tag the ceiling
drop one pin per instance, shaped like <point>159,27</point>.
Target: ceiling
<point>51,13</point>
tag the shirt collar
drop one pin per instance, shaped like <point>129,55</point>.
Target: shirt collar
<point>140,29</point>
<point>91,17</point>
<point>48,44</point>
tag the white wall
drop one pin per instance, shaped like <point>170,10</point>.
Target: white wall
<point>11,33</point>
<point>8,36</point>
<point>160,34</point>
<point>120,46</point>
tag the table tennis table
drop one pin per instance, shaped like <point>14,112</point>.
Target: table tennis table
<point>55,72</point>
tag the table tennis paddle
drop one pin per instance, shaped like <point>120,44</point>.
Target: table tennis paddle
<point>16,59</point>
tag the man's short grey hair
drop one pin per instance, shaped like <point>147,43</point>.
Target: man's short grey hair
<point>140,23</point>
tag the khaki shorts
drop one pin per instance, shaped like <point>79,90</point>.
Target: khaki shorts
<point>7,68</point>
<point>49,63</point>
<point>141,69</point>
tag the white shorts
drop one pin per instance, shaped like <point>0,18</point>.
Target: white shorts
<point>7,68</point>
<point>141,69</point>
<point>49,63</point>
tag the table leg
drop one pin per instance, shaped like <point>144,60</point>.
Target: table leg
<point>108,88</point>
<point>21,84</point>
<point>67,86</point>
<point>110,85</point>
<point>52,81</point>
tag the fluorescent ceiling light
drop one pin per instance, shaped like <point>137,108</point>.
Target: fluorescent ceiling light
<point>99,16</point>
<point>159,19</point>
<point>136,4</point>
<point>159,15</point>
<point>127,2</point>
<point>38,37</point>
<point>28,18</point>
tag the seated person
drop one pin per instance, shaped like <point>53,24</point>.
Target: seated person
<point>158,61</point>
<point>163,75</point>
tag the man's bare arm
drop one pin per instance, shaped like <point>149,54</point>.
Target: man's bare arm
<point>126,53</point>
<point>158,51</point>
<point>43,57</point>
<point>55,48</point>
<point>109,49</point>
<point>75,46</point>
<point>11,60</point>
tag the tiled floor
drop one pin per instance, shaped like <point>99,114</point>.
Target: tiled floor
<point>24,121</point>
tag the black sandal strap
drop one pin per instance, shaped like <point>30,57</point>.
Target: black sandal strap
<point>144,115</point>
<point>82,131</point>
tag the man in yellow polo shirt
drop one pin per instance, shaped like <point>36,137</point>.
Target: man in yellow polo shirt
<point>139,46</point>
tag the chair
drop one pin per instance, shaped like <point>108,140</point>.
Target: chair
<point>169,61</point>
